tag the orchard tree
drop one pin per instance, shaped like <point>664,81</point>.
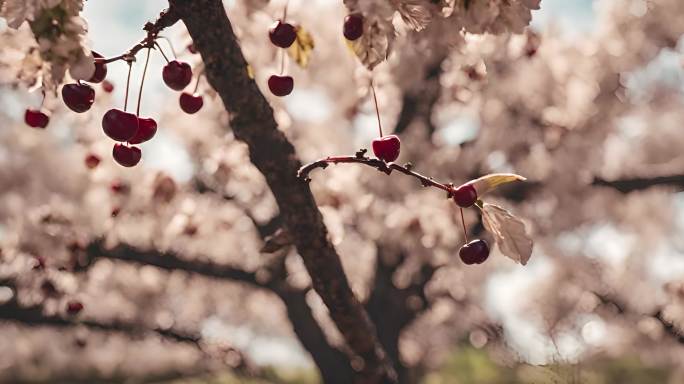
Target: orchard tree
<point>378,265</point>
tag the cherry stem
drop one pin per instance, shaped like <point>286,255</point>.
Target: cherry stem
<point>42,101</point>
<point>142,82</point>
<point>282,61</point>
<point>128,82</point>
<point>377,110</point>
<point>285,10</point>
<point>199,77</point>
<point>162,52</point>
<point>173,50</point>
<point>465,232</point>
<point>386,168</point>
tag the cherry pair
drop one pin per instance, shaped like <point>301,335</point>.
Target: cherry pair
<point>282,35</point>
<point>126,127</point>
<point>177,75</point>
<point>476,251</point>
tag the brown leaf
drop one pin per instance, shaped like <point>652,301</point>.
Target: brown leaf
<point>509,233</point>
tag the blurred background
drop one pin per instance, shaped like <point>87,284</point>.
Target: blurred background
<point>586,103</point>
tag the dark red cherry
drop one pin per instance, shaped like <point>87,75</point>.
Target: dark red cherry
<point>353,26</point>
<point>78,97</point>
<point>280,85</point>
<point>475,252</point>
<point>36,119</point>
<point>191,48</point>
<point>386,148</point>
<point>147,128</point>
<point>119,125</point>
<point>92,160</point>
<point>191,103</point>
<point>107,86</point>
<point>73,307</point>
<point>125,155</point>
<point>100,69</point>
<point>465,195</point>
<point>119,187</point>
<point>177,75</point>
<point>282,34</point>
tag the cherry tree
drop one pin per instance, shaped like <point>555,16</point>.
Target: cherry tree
<point>372,251</point>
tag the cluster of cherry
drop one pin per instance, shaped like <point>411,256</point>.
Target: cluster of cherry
<point>124,127</point>
<point>283,34</point>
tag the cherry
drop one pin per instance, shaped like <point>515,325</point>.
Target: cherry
<point>36,119</point>
<point>125,155</point>
<point>107,86</point>
<point>191,103</point>
<point>353,26</point>
<point>280,85</point>
<point>38,263</point>
<point>73,307</point>
<point>475,252</point>
<point>48,288</point>
<point>147,128</point>
<point>92,160</point>
<point>100,69</point>
<point>282,34</point>
<point>465,195</point>
<point>119,187</point>
<point>386,148</point>
<point>177,75</point>
<point>191,48</point>
<point>119,125</point>
<point>79,97</point>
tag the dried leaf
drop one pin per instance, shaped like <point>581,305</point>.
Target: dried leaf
<point>374,46</point>
<point>415,14</point>
<point>300,51</point>
<point>487,183</point>
<point>509,233</point>
<point>277,241</point>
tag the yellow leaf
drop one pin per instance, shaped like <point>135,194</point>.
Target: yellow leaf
<point>250,72</point>
<point>300,51</point>
<point>488,182</point>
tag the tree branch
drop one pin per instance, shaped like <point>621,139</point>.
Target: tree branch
<point>420,103</point>
<point>640,183</point>
<point>167,18</point>
<point>392,308</point>
<point>168,261</point>
<point>252,122</point>
<point>381,166</point>
<point>333,364</point>
<point>622,308</point>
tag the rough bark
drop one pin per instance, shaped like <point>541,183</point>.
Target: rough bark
<point>251,119</point>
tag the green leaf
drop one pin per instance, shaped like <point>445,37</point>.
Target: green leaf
<point>300,51</point>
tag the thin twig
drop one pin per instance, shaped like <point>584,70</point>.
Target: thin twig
<point>167,18</point>
<point>378,164</point>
